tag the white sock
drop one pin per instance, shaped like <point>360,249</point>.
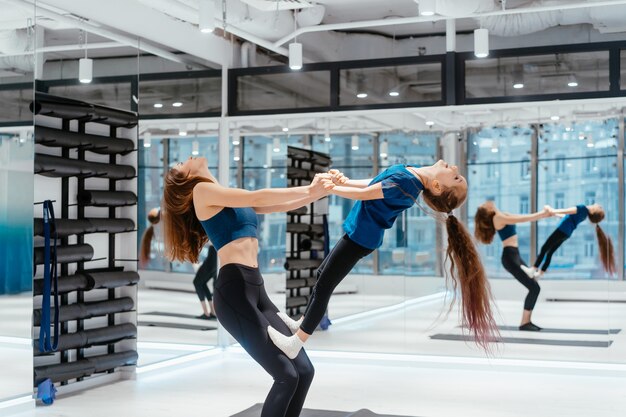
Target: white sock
<point>290,345</point>
<point>291,323</point>
<point>528,271</point>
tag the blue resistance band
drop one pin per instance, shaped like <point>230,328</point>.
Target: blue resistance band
<point>50,273</point>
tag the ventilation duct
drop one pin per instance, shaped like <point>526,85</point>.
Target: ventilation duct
<point>13,42</point>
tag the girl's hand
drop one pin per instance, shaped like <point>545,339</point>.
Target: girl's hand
<point>321,184</point>
<point>337,177</point>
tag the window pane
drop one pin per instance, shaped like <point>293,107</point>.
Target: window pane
<point>623,69</point>
<point>14,105</point>
<point>117,95</point>
<point>197,95</point>
<point>582,139</point>
<point>283,91</point>
<point>397,84</point>
<point>499,144</point>
<point>537,74</point>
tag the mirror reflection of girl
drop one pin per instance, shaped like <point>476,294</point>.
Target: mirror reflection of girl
<point>380,202</point>
<point>488,221</point>
<point>206,271</point>
<point>197,208</point>
<point>572,217</point>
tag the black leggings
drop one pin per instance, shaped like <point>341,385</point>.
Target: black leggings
<point>207,270</point>
<point>555,240</point>
<point>511,261</point>
<point>245,311</point>
<point>335,267</point>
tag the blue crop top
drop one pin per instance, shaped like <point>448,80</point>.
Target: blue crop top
<point>507,231</point>
<point>367,221</point>
<point>569,222</point>
<point>230,224</point>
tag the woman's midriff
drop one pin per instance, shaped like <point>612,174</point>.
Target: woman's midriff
<point>510,241</point>
<point>242,251</point>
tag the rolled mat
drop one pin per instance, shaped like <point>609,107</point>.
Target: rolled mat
<point>308,244</point>
<point>67,284</point>
<point>66,254</point>
<point>113,279</point>
<point>64,227</point>
<point>53,106</point>
<point>114,117</point>
<point>107,198</point>
<point>85,367</point>
<point>110,225</point>
<point>305,228</point>
<point>88,310</point>
<point>111,171</point>
<point>100,336</point>
<point>300,210</point>
<point>93,143</point>
<point>57,167</point>
<point>297,264</point>
<point>66,341</point>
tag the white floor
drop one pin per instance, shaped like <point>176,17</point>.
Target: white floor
<point>225,384</point>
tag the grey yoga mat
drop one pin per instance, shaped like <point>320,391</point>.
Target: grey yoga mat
<point>255,411</point>
<point>529,341</point>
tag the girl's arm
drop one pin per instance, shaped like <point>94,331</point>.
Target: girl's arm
<point>561,212</point>
<point>212,194</point>
<point>288,206</point>
<point>371,192</point>
<point>340,179</point>
<point>507,218</point>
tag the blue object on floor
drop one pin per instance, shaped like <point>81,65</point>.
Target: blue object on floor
<point>46,391</point>
<point>325,323</point>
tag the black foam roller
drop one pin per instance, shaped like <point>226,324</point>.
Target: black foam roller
<point>53,106</point>
<point>67,284</point>
<point>93,143</point>
<point>114,117</point>
<point>88,310</point>
<point>308,244</point>
<point>64,371</point>
<point>113,279</point>
<point>114,172</point>
<point>66,341</point>
<point>58,167</point>
<point>301,210</point>
<point>105,362</point>
<point>110,334</point>
<point>64,227</point>
<point>67,254</point>
<point>107,198</point>
<point>111,225</point>
<point>297,264</point>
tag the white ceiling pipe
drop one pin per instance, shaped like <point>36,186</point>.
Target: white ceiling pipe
<point>66,48</point>
<point>42,11</point>
<point>16,50</point>
<point>423,19</point>
<point>179,35</point>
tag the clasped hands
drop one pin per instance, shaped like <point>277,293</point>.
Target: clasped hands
<point>549,211</point>
<point>326,181</point>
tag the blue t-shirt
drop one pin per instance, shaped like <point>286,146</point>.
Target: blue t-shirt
<point>570,221</point>
<point>367,221</point>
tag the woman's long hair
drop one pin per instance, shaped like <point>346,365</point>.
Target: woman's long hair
<point>183,235</point>
<point>466,269</point>
<point>148,235</point>
<point>484,230</point>
<point>607,254</point>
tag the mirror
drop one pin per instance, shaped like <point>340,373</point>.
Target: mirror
<point>17,63</point>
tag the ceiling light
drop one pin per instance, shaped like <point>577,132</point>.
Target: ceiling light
<point>236,154</point>
<point>481,43</point>
<point>207,16</point>
<point>327,132</point>
<point>182,131</point>
<point>554,117</point>
<point>394,93</point>
<point>285,129</point>
<point>177,104</point>
<point>427,7</point>
<point>195,148</point>
<point>85,70</point>
<point>236,137</point>
<point>147,140</point>
<point>518,77</point>
<point>429,123</point>
<point>360,87</point>
<point>384,149</point>
<point>276,145</point>
<point>355,142</point>
<point>158,105</point>
<point>572,81</point>
<point>295,56</point>
<point>361,95</point>
<point>494,146</point>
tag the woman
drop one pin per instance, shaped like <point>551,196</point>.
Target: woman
<point>197,208</point>
<point>488,221</point>
<point>206,272</point>
<point>380,202</point>
<point>573,217</point>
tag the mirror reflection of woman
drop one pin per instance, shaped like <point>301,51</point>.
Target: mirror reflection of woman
<point>488,221</point>
<point>196,208</point>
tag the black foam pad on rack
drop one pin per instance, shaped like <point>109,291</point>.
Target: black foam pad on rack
<point>66,341</point>
<point>300,210</point>
<point>114,117</point>
<point>66,254</point>
<point>53,106</point>
<point>113,279</point>
<point>93,143</point>
<point>67,284</point>
<point>110,225</point>
<point>114,360</point>
<point>58,167</point>
<point>110,171</point>
<point>310,244</point>
<point>64,371</point>
<point>107,198</point>
<point>297,264</point>
<point>255,411</point>
<point>182,326</point>
<point>91,337</point>
<point>88,310</point>
<point>64,227</point>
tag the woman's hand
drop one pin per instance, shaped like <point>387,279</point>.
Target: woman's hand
<point>322,184</point>
<point>337,177</point>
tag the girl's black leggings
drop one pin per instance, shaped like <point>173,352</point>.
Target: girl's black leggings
<point>335,267</point>
<point>207,270</point>
<point>555,240</point>
<point>511,261</point>
<point>244,309</point>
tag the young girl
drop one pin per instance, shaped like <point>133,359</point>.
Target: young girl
<point>381,200</point>
<point>197,208</point>
<point>573,217</point>
<point>488,221</point>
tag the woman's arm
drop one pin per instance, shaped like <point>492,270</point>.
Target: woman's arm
<point>569,210</point>
<point>507,218</point>
<point>211,194</point>
<point>371,192</point>
<point>340,179</point>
